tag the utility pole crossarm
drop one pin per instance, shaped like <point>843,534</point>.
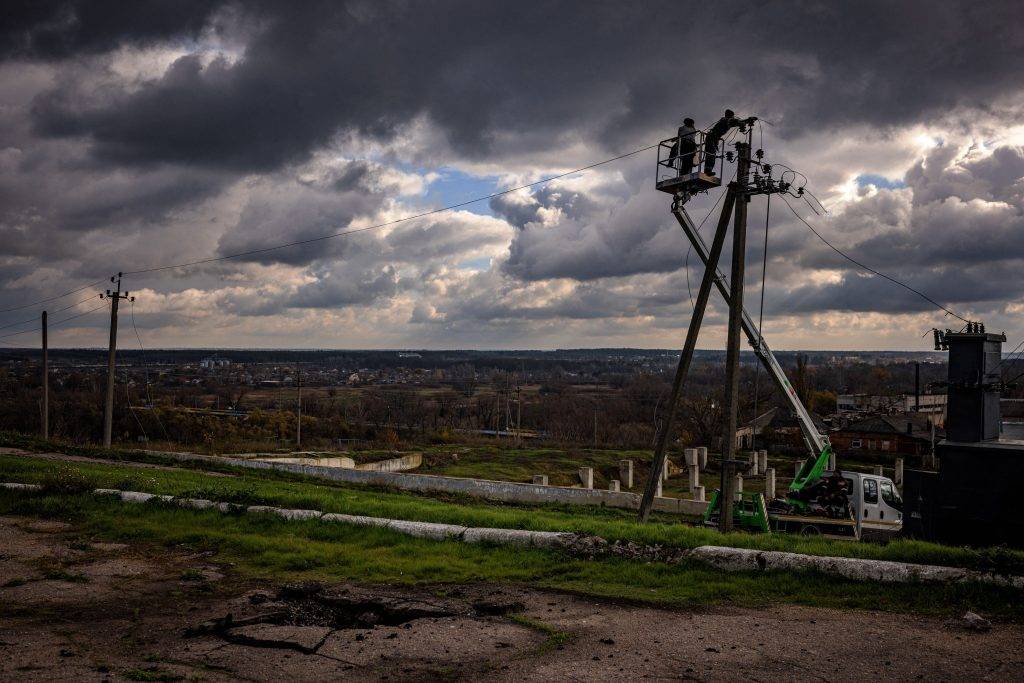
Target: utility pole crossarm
<point>815,441</point>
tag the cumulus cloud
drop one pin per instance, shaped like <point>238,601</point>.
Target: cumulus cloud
<point>133,137</point>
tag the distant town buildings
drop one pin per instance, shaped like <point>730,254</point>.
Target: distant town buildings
<point>933,405</point>
<point>904,434</point>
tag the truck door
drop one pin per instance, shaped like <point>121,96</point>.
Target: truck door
<point>891,507</point>
<point>869,511</point>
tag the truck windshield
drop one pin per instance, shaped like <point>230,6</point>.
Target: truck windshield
<point>890,496</point>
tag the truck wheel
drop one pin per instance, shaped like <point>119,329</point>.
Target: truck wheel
<point>810,530</point>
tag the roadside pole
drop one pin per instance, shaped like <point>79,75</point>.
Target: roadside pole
<point>46,383</point>
<point>108,412</point>
<point>732,356</point>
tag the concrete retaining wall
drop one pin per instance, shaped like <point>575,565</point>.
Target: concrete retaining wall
<point>406,462</point>
<point>502,491</point>
<point>340,461</point>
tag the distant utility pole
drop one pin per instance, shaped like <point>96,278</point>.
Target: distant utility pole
<point>298,397</point>
<point>519,416</point>
<point>732,355</point>
<point>108,414</point>
<point>46,383</point>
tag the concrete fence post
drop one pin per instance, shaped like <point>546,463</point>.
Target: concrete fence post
<point>899,471</point>
<point>665,470</point>
<point>613,485</point>
<point>737,486</point>
<point>702,454</point>
<point>832,461</point>
<point>587,477</point>
<point>626,473</point>
<point>694,477</point>
<point>691,457</point>
<point>769,483</point>
<point>540,479</point>
<point>878,470</point>
<point>753,464</point>
<point>657,490</point>
<point>762,460</point>
<point>698,494</point>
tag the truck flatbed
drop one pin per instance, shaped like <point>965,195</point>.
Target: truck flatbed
<point>826,527</point>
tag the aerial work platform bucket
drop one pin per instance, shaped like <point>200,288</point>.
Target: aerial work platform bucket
<point>680,171</point>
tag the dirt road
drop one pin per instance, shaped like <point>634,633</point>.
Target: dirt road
<point>74,609</point>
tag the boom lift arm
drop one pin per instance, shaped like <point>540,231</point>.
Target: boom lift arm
<point>817,444</point>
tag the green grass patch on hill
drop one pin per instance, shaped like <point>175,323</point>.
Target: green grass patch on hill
<point>273,488</point>
<point>266,547</point>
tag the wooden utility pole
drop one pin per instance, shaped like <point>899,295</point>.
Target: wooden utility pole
<point>108,413</point>
<point>699,306</point>
<point>519,416</point>
<point>46,383</point>
<point>298,397</point>
<point>732,356</point>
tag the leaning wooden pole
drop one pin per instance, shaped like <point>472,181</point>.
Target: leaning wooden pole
<point>685,358</point>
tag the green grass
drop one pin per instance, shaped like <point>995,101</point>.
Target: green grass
<point>275,488</point>
<point>556,638</point>
<point>265,547</point>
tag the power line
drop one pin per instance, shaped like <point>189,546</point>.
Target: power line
<point>345,233</point>
<point>32,320</point>
<point>689,248</point>
<point>52,298</point>
<point>54,324</point>
<point>869,268</point>
<point>149,396</point>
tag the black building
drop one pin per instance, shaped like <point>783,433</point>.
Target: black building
<point>973,496</point>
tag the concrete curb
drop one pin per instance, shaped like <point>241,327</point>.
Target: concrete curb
<point>720,557</point>
<point>883,571</point>
<point>14,486</point>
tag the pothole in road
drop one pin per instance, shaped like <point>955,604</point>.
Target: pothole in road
<point>306,607</point>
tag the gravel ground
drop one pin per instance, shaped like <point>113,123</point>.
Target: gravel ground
<point>70,610</point>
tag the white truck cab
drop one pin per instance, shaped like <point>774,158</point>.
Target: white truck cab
<point>877,506</point>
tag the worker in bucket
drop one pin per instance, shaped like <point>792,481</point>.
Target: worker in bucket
<point>686,146</point>
<point>715,135</point>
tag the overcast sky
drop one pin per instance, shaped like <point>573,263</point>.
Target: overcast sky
<point>135,135</point>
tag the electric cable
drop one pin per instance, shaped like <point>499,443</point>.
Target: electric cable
<point>689,247</point>
<point>405,219</point>
<point>52,298</point>
<point>54,323</point>
<point>870,269</point>
<point>131,408</point>
<point>36,319</point>
<point>1009,356</point>
<point>760,317</point>
<point>149,396</point>
<point>686,261</point>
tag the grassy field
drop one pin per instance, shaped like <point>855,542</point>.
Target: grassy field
<point>268,548</point>
<point>277,488</point>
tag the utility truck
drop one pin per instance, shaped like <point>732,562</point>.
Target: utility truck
<point>822,499</point>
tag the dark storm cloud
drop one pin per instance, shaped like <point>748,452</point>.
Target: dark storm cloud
<point>64,28</point>
<point>495,75</point>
